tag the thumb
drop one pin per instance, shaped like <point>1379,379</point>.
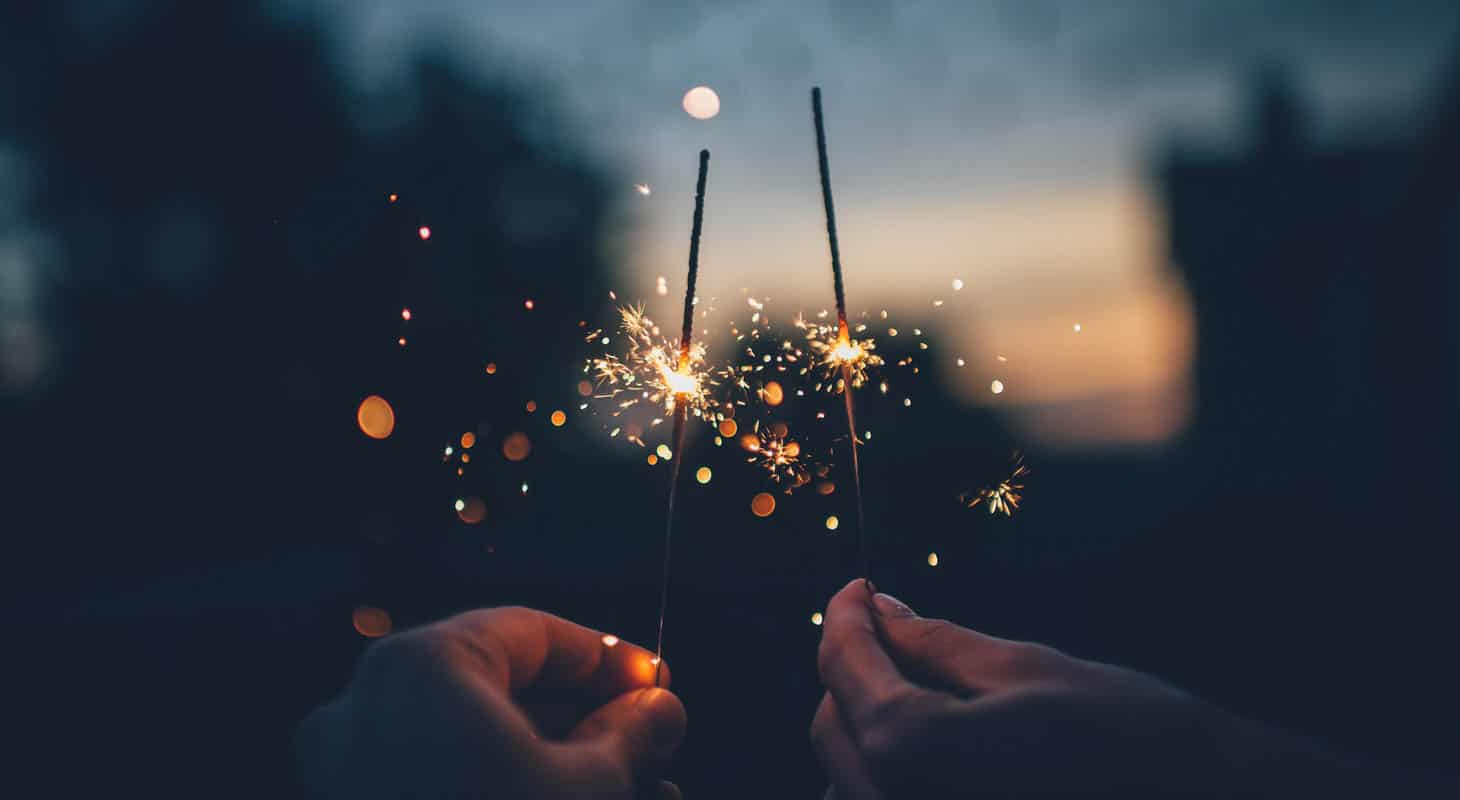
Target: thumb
<point>626,742</point>
<point>947,656</point>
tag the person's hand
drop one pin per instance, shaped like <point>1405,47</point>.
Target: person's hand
<point>504,702</point>
<point>924,708</point>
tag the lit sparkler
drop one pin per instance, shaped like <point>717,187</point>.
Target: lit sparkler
<point>655,370</point>
<point>836,358</point>
<point>846,354</point>
<point>683,388</point>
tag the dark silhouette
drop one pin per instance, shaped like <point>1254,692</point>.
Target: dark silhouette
<point>192,512</point>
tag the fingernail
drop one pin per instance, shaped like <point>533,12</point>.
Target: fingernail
<point>892,607</point>
<point>665,715</point>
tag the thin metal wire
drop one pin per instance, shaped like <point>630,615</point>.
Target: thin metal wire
<point>681,410</point>
<point>843,332</point>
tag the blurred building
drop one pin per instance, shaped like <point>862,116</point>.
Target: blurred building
<point>1320,280</point>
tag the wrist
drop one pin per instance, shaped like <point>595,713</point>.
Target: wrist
<point>1280,764</point>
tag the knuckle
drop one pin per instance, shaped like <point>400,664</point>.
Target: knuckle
<point>937,638</point>
<point>887,727</point>
<point>1026,657</point>
<point>404,654</point>
<point>831,653</point>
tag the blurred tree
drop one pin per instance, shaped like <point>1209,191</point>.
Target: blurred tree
<point>229,272</point>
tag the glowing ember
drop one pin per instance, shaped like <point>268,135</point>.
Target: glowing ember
<point>405,314</point>
<point>491,368</point>
<point>401,341</point>
<point>528,304</point>
<point>681,383</point>
<point>423,232</point>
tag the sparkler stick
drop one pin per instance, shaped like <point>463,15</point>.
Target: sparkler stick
<point>845,351</point>
<point>681,398</point>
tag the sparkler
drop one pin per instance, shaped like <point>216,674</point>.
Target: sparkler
<point>847,354</point>
<point>684,387</point>
<point>1002,496</point>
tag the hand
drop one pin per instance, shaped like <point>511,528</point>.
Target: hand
<point>923,708</point>
<point>504,702</point>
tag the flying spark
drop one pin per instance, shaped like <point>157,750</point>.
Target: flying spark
<point>1002,496</point>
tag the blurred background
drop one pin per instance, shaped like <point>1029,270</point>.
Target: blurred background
<point>1207,250</point>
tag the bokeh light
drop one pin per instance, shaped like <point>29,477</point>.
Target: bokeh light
<point>472,510</point>
<point>816,618</point>
<point>728,428</point>
<point>371,622</point>
<point>468,440</point>
<point>664,452</point>
<point>701,102</point>
<point>516,447</point>
<point>932,559</point>
<point>375,417</point>
<point>772,394</point>
<point>609,640</point>
<point>558,418</point>
<point>997,386</point>
<point>763,504</point>
<point>423,232</point>
<point>832,523</point>
<point>703,474</point>
<point>491,368</point>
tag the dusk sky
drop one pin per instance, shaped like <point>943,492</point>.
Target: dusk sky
<point>1006,144</point>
